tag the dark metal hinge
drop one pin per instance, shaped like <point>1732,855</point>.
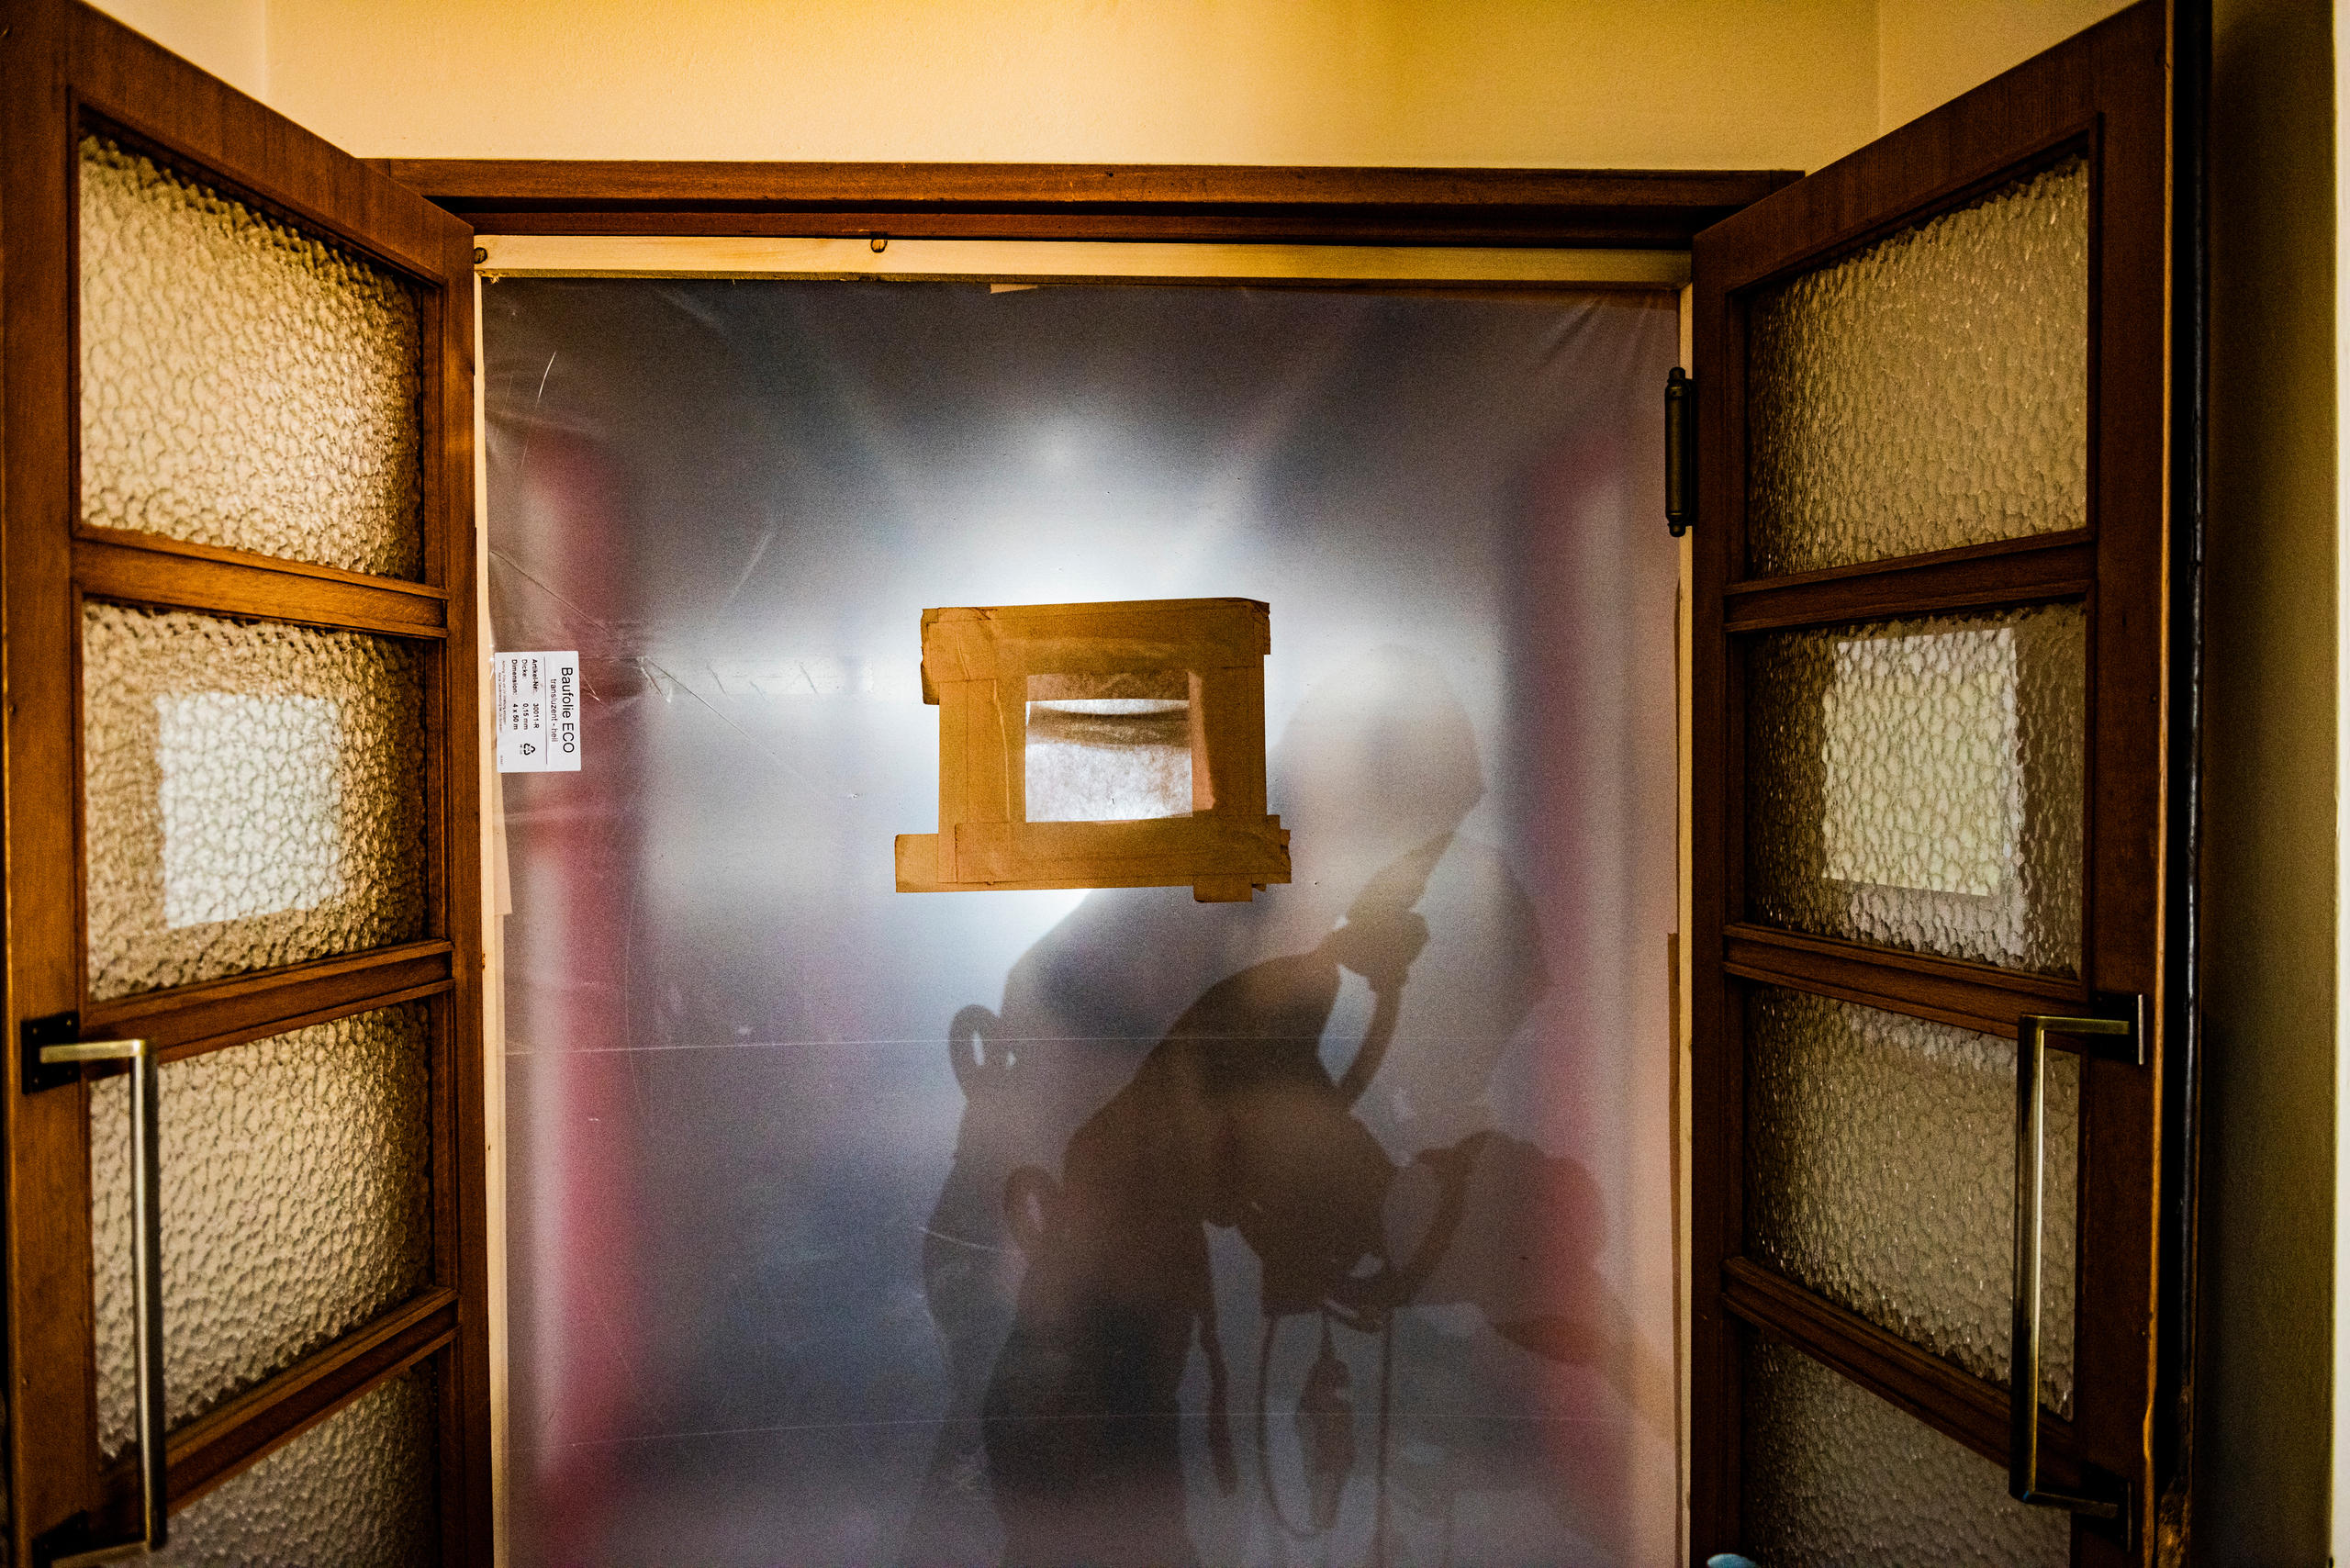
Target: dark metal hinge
<point>1680,450</point>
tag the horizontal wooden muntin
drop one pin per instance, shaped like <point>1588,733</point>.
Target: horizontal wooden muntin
<point>1953,1401</point>
<point>1149,851</point>
<point>981,665</point>
<point>1978,577</point>
<point>241,1431</point>
<point>1131,637</point>
<point>189,1020</point>
<point>147,569</point>
<point>1981,997</point>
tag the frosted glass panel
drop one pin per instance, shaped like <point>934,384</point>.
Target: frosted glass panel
<point>242,384</point>
<point>1919,783</point>
<point>1928,392</point>
<point>359,1490</point>
<point>296,1204</point>
<point>1115,748</point>
<point>1880,1171</point>
<point>255,794</point>
<point>878,1230</point>
<point>1834,1477</point>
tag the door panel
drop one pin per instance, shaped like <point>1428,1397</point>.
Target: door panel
<point>1930,728</point>
<point>243,384</point>
<point>254,794</point>
<point>357,1490</point>
<point>1840,1479</point>
<point>1879,1174</point>
<point>296,1205</point>
<point>1924,393</point>
<point>1917,783</point>
<point>241,821</point>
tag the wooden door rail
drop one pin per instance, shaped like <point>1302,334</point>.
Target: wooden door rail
<point>143,568</point>
<point>1955,1403</point>
<point>2012,571</point>
<point>1948,990</point>
<point>214,1447</point>
<point>190,1019</point>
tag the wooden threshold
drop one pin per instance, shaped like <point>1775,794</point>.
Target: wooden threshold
<point>1217,203</point>
<point>190,1019</point>
<point>1955,1403</point>
<point>142,568</point>
<point>1949,991</point>
<point>2016,571</point>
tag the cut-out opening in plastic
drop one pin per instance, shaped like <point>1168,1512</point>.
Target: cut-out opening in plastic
<point>1108,748</point>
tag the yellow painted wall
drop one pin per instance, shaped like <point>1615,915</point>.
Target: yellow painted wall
<point>1929,51</point>
<point>228,38</point>
<point>1719,84</point>
<point>1729,84</point>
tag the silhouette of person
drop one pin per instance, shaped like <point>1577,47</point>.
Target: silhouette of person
<point>1067,1261</point>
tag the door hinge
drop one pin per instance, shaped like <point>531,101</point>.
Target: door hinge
<point>56,1029</point>
<point>1680,450</point>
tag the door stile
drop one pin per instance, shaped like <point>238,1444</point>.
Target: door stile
<point>47,1223</point>
<point>1717,877</point>
<point>467,1508</point>
<point>2180,1111</point>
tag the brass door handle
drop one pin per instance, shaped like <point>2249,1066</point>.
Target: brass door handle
<point>2023,1363</point>
<point>146,1291</point>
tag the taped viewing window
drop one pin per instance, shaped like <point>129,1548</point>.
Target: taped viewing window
<point>1108,748</point>
<point>1139,733</point>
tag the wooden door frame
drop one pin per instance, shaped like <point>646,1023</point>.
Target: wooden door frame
<point>1234,204</point>
<point>1144,204</point>
<point>63,67</point>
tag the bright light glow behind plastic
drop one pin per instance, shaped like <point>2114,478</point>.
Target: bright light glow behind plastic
<point>827,1192</point>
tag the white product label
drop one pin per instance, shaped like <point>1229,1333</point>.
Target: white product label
<point>538,713</point>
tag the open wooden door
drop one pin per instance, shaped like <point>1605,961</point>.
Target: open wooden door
<point>1942,773</point>
<point>244,1259</point>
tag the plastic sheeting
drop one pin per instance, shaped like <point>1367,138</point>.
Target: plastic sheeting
<point>853,1227</point>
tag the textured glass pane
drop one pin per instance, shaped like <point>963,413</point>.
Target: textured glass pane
<point>1929,392</point>
<point>242,384</point>
<point>1880,1171</point>
<point>296,1204</point>
<point>255,795</point>
<point>1837,1478</point>
<point>1115,748</point>
<point>357,1490</point>
<point>1919,783</point>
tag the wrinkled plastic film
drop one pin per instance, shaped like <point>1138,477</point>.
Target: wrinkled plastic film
<point>854,1227</point>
